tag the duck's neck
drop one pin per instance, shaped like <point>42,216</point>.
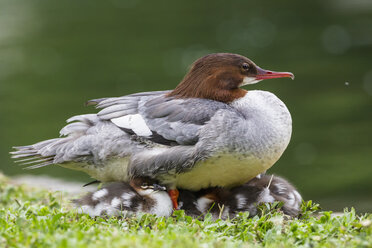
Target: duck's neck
<point>267,123</point>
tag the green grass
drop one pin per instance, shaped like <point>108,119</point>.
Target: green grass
<point>37,218</point>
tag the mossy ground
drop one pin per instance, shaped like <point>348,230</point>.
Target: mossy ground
<point>37,218</point>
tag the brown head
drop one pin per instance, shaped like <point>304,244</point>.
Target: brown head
<point>219,77</point>
<point>145,185</point>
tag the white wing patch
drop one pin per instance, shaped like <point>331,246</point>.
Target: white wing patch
<point>99,194</point>
<point>133,122</point>
<point>241,201</point>
<point>127,196</point>
<point>115,202</point>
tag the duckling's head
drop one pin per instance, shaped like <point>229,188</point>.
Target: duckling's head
<point>146,186</point>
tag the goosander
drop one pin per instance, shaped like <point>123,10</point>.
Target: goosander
<point>142,195</point>
<point>226,203</point>
<point>206,132</point>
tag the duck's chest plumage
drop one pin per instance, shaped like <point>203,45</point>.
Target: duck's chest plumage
<point>239,147</point>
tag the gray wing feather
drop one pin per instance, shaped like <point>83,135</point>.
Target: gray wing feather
<point>106,102</point>
<point>117,114</point>
<point>179,119</point>
<point>87,118</point>
<point>73,128</point>
<point>128,108</point>
<point>175,120</point>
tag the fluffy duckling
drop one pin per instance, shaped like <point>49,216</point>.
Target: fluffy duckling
<point>226,203</point>
<point>121,199</point>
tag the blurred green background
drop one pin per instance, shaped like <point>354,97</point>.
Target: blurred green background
<point>55,55</point>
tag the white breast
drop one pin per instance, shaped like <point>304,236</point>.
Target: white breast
<point>248,145</point>
<point>163,205</point>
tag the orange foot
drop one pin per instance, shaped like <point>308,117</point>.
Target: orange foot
<point>173,193</point>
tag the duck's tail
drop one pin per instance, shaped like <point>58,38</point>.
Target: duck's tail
<point>53,151</point>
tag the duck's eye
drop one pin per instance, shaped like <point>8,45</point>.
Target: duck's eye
<point>245,66</point>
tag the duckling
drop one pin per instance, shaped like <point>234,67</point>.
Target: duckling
<point>281,190</point>
<point>226,203</point>
<point>123,199</point>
